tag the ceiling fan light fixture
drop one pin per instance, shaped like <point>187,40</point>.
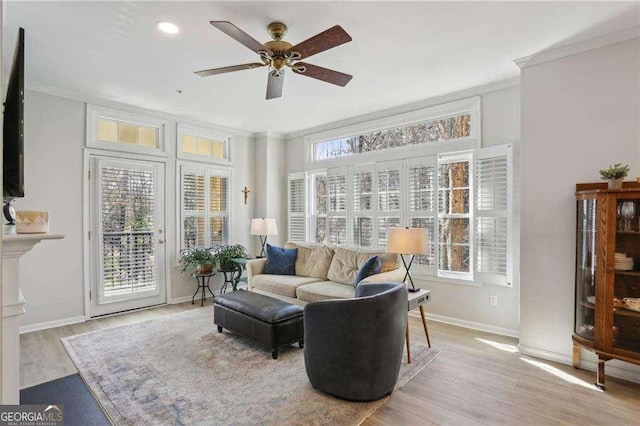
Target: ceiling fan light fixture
<point>168,27</point>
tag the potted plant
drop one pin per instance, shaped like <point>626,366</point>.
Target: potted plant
<point>203,260</point>
<point>614,175</point>
<point>225,254</point>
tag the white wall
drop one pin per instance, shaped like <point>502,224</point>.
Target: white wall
<point>500,125</point>
<point>271,184</point>
<point>52,275</point>
<point>581,113</point>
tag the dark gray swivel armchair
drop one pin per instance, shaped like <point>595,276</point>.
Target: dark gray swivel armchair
<point>353,347</point>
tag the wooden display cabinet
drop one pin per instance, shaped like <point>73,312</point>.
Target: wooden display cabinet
<point>608,222</point>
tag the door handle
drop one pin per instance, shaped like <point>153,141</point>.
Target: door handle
<point>160,241</point>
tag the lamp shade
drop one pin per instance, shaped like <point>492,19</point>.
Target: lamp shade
<point>407,240</point>
<point>263,226</point>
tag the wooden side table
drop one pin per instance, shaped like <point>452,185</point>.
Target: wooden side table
<point>417,300</point>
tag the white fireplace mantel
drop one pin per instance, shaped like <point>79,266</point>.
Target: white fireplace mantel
<point>14,246</point>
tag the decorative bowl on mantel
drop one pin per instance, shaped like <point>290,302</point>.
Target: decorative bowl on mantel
<point>32,222</point>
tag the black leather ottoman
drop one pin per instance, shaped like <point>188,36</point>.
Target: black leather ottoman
<point>263,319</point>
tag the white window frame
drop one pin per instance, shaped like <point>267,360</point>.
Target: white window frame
<point>447,159</point>
<point>95,113</point>
<point>209,170</point>
<point>203,132</point>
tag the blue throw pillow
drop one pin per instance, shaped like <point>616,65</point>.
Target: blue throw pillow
<point>280,261</point>
<point>372,266</point>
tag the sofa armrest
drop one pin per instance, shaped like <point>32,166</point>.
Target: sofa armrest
<point>395,276</point>
<point>254,267</point>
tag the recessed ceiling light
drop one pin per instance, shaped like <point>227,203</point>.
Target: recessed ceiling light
<point>168,27</point>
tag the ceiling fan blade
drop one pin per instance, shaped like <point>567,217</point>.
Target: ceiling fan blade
<point>214,71</point>
<point>324,74</point>
<point>240,36</point>
<point>334,36</point>
<point>274,85</point>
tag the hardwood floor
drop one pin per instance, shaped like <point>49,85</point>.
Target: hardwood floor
<point>477,379</point>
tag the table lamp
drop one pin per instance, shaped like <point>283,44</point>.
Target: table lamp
<point>263,227</point>
<point>407,241</point>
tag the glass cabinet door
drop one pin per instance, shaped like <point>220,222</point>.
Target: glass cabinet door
<point>626,301</point>
<point>586,268</point>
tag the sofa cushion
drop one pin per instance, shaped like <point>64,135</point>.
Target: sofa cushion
<point>284,285</point>
<point>347,262</point>
<point>325,290</point>
<point>371,267</point>
<point>280,261</point>
<point>313,259</point>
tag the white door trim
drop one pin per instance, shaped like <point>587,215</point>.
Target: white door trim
<point>86,217</point>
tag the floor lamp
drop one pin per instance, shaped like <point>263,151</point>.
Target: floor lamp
<point>263,227</point>
<point>411,241</point>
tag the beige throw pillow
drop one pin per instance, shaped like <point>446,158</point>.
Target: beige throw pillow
<point>347,262</point>
<point>313,260</point>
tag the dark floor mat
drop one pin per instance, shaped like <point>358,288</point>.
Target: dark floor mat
<point>80,407</point>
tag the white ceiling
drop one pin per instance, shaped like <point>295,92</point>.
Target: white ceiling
<point>400,53</point>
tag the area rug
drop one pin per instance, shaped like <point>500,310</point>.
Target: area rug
<point>180,370</point>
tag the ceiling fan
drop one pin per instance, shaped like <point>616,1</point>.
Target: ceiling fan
<point>278,54</point>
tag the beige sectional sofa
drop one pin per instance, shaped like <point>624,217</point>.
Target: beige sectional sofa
<point>322,272</point>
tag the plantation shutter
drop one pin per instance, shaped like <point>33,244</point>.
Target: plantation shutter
<point>362,204</point>
<point>127,210</point>
<point>494,207</point>
<point>205,206</point>
<point>218,207</point>
<point>193,211</point>
<point>422,202</point>
<point>297,203</point>
<point>337,206</point>
<point>389,198</point>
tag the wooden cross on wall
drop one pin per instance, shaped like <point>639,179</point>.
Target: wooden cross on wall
<point>246,192</point>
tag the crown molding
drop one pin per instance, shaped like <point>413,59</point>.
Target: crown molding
<point>273,135</point>
<point>578,47</point>
<point>438,100</point>
<point>82,97</point>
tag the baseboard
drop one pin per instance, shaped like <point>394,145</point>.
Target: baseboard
<point>188,299</point>
<point>613,371</point>
<point>470,324</point>
<point>51,324</point>
<point>207,296</point>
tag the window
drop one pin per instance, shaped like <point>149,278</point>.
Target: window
<point>389,198</point>
<point>336,231</point>
<point>201,144</point>
<point>362,207</point>
<point>205,206</point>
<point>422,212</point>
<point>122,131</point>
<point>318,217</point>
<point>430,131</point>
<point>454,216</point>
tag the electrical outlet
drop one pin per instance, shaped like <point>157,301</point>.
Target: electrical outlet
<point>493,300</point>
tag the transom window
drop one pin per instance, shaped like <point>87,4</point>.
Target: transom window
<point>431,131</point>
<point>113,131</point>
<point>122,131</point>
<point>203,144</point>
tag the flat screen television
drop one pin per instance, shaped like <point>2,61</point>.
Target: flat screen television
<point>13,127</point>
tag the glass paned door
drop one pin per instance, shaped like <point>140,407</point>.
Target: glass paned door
<point>127,221</point>
<point>626,263</point>
<point>586,268</point>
